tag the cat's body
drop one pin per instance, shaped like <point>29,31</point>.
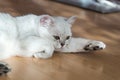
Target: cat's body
<point>20,37</point>
<point>39,36</point>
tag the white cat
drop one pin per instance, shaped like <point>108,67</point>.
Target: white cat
<point>39,36</point>
<point>20,35</point>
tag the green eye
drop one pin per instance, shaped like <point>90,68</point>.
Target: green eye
<point>56,37</point>
<point>68,37</point>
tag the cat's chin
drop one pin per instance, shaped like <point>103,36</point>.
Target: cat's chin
<point>58,47</point>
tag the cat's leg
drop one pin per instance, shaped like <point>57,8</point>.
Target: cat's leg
<point>82,45</point>
<point>36,47</point>
<point>46,53</point>
<point>4,68</point>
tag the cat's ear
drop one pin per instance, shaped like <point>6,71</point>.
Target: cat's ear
<point>46,20</point>
<point>72,19</point>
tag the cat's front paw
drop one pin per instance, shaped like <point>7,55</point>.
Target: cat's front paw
<point>42,54</point>
<point>4,68</point>
<point>94,45</point>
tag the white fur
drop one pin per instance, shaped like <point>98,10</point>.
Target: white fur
<point>37,47</point>
<point>20,37</point>
<point>33,35</point>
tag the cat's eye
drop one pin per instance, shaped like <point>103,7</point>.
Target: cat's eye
<point>68,37</point>
<point>56,37</point>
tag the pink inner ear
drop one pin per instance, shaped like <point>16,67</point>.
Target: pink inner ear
<point>46,20</point>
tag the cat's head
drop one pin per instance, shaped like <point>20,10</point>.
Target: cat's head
<point>59,28</point>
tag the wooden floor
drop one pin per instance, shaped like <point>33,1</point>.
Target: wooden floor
<point>101,65</point>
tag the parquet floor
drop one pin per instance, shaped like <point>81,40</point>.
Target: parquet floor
<point>101,65</point>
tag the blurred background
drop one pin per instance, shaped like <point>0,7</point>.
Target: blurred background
<point>100,65</point>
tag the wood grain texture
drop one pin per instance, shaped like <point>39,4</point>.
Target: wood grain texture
<point>100,65</point>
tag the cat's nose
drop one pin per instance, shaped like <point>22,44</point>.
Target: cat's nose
<point>62,44</point>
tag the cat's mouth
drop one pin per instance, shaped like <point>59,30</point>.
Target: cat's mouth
<point>60,46</point>
<point>63,45</point>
